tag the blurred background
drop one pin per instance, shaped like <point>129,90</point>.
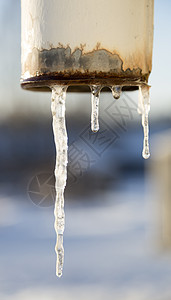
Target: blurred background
<point>118,206</point>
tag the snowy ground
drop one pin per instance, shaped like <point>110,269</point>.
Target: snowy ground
<point>108,250</point>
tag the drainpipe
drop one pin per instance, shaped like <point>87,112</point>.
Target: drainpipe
<point>99,42</point>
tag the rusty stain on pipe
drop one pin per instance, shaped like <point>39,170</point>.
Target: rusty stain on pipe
<point>96,67</point>
<point>75,42</point>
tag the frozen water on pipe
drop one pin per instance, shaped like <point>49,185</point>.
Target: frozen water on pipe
<point>144,109</point>
<point>116,91</point>
<point>60,137</point>
<point>140,102</point>
<point>95,94</point>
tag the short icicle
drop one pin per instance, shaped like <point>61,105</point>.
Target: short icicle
<point>60,137</point>
<point>116,91</point>
<point>95,94</point>
<point>144,108</point>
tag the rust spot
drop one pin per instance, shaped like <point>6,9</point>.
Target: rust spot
<point>82,46</point>
<point>61,65</point>
<point>98,46</point>
<point>60,45</point>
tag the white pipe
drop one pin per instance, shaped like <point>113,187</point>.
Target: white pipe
<point>121,27</point>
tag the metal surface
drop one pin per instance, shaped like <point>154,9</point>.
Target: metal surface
<point>76,42</point>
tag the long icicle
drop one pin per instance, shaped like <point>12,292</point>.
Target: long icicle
<point>144,109</point>
<point>95,94</point>
<point>60,137</point>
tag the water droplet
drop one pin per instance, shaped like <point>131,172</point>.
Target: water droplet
<point>144,108</point>
<point>95,94</point>
<point>116,91</point>
<point>60,137</point>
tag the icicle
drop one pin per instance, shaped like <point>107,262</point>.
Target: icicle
<point>95,94</point>
<point>116,91</point>
<point>60,137</point>
<point>140,102</point>
<point>144,108</point>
